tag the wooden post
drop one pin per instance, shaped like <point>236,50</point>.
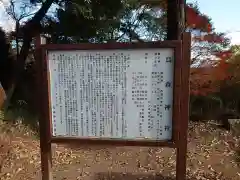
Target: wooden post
<point>45,136</point>
<point>173,9</point>
<point>175,31</point>
<point>184,108</point>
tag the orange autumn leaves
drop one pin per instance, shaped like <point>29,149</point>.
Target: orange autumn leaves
<point>195,20</point>
<point>211,38</point>
<point>224,55</point>
<point>205,80</point>
<point>201,81</point>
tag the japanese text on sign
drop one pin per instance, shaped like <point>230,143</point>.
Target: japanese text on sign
<point>125,94</point>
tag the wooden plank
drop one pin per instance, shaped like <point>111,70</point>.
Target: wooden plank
<point>184,108</point>
<point>111,142</point>
<point>45,136</point>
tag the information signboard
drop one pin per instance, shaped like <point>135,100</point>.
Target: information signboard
<point>126,94</point>
<point>119,94</point>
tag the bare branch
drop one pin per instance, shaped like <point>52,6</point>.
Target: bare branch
<point>19,9</point>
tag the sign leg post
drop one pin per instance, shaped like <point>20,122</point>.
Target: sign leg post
<point>45,133</point>
<point>181,162</point>
<point>45,143</point>
<point>46,160</point>
<point>184,108</point>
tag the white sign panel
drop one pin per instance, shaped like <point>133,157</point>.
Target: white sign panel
<point>125,94</point>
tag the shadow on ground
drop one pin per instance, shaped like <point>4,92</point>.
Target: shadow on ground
<point>130,176</point>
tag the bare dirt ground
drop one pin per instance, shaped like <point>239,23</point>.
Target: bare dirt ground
<point>211,155</point>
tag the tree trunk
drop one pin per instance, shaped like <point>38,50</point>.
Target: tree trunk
<point>30,30</point>
<point>2,96</point>
<point>173,20</point>
<point>17,35</point>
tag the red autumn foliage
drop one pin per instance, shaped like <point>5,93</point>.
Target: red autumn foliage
<point>195,20</point>
<point>198,21</point>
<point>211,38</point>
<point>201,81</point>
<point>224,55</point>
<point>205,80</point>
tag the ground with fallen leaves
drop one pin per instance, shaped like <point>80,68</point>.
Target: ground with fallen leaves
<point>211,155</point>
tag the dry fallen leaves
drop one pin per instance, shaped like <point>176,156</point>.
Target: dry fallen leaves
<point>211,156</point>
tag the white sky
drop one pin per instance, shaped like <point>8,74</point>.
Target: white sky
<point>5,21</point>
<point>224,14</point>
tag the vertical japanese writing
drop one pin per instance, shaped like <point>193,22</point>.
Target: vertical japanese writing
<point>117,94</point>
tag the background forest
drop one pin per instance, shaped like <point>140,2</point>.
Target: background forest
<point>214,70</point>
<point>213,152</point>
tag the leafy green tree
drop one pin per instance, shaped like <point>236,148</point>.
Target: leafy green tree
<point>86,16</point>
<point>98,21</point>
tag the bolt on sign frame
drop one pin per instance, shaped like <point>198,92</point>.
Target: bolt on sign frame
<point>180,102</point>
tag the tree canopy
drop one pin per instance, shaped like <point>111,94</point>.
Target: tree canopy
<point>101,21</point>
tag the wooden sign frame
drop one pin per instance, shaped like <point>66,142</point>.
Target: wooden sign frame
<point>180,108</point>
